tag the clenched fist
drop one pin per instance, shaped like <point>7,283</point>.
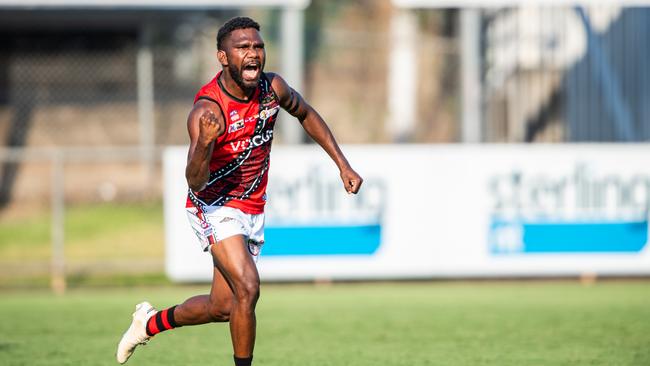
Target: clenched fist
<point>351,180</point>
<point>210,127</point>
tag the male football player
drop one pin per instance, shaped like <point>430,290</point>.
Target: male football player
<point>231,130</point>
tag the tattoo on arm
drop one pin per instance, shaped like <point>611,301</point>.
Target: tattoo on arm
<point>296,106</point>
<point>294,102</point>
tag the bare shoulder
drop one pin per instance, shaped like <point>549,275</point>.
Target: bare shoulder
<point>203,107</point>
<point>279,85</point>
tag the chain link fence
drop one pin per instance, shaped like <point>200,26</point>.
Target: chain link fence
<point>80,193</point>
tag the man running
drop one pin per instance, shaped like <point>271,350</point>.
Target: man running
<point>231,130</point>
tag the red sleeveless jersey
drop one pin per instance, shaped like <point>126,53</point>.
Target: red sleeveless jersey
<point>240,159</point>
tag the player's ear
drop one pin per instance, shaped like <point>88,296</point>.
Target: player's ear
<point>221,56</point>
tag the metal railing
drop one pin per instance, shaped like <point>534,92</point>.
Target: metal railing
<point>58,158</point>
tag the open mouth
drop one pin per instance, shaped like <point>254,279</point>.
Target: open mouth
<point>251,71</point>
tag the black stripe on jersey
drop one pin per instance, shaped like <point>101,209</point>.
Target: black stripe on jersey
<point>264,90</point>
<point>223,89</point>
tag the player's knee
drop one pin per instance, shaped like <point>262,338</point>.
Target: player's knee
<point>248,292</point>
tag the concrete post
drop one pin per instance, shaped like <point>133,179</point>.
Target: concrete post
<point>293,68</point>
<point>470,46</point>
<point>402,70</point>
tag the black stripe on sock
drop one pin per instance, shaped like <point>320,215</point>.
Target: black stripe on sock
<point>246,361</point>
<point>159,321</point>
<point>170,317</point>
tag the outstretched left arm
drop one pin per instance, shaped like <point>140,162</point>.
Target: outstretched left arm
<point>317,129</point>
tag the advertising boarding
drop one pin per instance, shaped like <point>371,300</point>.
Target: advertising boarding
<point>439,211</point>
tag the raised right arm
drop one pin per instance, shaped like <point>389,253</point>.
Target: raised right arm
<point>204,124</point>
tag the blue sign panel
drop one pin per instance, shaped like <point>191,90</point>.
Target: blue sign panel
<point>513,236</point>
<point>322,240</point>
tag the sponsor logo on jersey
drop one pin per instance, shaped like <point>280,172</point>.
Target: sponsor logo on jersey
<point>268,113</point>
<point>234,116</point>
<point>255,141</point>
<point>268,100</point>
<point>236,126</point>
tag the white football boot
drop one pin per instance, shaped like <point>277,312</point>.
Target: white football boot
<point>137,332</point>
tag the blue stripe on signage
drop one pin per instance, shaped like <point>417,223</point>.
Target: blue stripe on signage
<point>572,237</point>
<point>585,237</point>
<point>321,240</point>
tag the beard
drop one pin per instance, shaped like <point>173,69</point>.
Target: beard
<point>235,73</point>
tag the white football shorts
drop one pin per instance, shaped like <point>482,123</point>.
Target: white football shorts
<point>218,223</point>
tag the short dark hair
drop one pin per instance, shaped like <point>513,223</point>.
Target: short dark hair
<point>234,24</point>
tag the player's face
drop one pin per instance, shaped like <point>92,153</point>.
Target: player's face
<point>245,57</point>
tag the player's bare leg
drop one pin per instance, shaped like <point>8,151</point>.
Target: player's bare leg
<point>202,309</point>
<point>196,310</point>
<point>237,266</point>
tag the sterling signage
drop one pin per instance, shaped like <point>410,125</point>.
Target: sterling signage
<point>582,210</point>
<point>440,211</point>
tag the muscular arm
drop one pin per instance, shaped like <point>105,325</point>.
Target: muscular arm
<point>204,124</point>
<point>317,129</point>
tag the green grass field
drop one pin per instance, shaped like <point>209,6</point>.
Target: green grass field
<point>104,243</point>
<point>92,232</point>
<point>449,323</point>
